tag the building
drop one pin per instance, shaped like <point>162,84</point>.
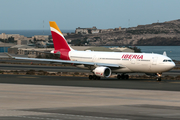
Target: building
<point>121,49</point>
<point>5,46</point>
<point>40,37</point>
<point>20,39</point>
<point>93,31</point>
<point>87,30</point>
<point>15,36</point>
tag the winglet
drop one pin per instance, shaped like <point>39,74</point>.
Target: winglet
<point>10,56</point>
<point>164,53</point>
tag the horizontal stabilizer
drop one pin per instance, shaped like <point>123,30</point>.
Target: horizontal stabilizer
<point>10,56</point>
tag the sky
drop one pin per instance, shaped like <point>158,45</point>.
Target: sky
<point>70,14</point>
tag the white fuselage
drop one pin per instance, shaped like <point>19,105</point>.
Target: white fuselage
<point>132,62</point>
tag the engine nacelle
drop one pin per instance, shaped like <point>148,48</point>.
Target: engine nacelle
<point>102,72</point>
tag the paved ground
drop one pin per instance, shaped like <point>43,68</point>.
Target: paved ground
<point>77,98</point>
<point>145,84</point>
<point>47,102</point>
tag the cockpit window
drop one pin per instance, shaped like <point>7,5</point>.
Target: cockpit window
<point>167,60</point>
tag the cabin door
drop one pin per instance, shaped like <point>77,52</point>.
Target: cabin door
<point>133,61</point>
<point>95,58</point>
<point>154,60</point>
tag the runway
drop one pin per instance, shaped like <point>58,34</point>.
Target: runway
<point>77,98</point>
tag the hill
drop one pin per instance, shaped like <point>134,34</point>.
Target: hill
<point>161,34</point>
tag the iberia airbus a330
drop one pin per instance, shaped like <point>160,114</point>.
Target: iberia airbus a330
<point>103,64</point>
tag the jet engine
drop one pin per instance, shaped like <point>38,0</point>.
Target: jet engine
<point>102,72</point>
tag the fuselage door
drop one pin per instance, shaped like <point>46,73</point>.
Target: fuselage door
<point>95,58</point>
<point>133,61</point>
<point>154,60</point>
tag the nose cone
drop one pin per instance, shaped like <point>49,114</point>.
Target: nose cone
<point>172,65</point>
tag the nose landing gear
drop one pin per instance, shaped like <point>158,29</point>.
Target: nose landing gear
<point>158,79</point>
<point>159,76</point>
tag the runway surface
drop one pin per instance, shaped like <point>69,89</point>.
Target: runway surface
<point>77,98</point>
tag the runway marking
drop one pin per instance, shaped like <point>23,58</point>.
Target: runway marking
<point>26,77</point>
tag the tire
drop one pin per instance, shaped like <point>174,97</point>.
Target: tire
<point>123,77</point>
<point>119,77</point>
<point>90,77</point>
<point>126,77</point>
<point>94,77</point>
<point>98,78</point>
<point>158,79</point>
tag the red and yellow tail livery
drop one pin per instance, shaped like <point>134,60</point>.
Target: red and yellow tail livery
<point>60,44</point>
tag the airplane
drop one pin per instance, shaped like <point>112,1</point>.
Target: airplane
<point>103,64</point>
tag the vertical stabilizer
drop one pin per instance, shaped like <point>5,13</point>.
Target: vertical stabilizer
<point>58,38</point>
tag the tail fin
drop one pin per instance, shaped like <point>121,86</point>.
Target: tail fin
<point>58,38</point>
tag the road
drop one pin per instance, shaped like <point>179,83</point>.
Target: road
<point>77,98</point>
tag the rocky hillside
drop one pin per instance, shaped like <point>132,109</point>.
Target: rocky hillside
<point>167,33</point>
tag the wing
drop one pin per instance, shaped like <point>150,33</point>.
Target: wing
<point>68,62</point>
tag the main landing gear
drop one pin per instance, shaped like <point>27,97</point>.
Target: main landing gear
<point>122,76</point>
<point>94,77</point>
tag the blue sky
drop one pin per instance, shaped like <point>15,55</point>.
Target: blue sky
<point>70,14</point>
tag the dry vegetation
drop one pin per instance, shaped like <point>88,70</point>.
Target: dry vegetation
<point>77,74</point>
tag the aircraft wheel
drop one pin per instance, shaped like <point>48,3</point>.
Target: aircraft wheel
<point>118,76</point>
<point>126,77</point>
<point>98,78</point>
<point>94,77</point>
<point>159,79</point>
<point>123,77</point>
<point>90,77</point>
